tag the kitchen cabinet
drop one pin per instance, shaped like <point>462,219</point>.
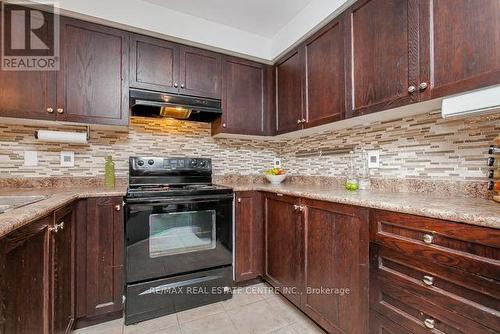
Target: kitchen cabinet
<point>27,94</point>
<point>200,73</point>
<point>100,260</point>
<point>283,245</point>
<point>24,278</point>
<point>460,46</point>
<point>249,237</point>
<point>433,274</point>
<point>63,270</point>
<point>172,68</point>
<point>382,55</point>
<point>37,276</point>
<point>325,75</point>
<point>289,93</point>
<point>312,245</point>
<point>336,255</point>
<point>154,64</point>
<point>247,98</point>
<point>92,83</point>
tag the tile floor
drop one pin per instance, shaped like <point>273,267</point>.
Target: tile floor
<point>252,310</point>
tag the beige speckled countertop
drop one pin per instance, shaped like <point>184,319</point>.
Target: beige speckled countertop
<point>56,198</point>
<point>472,211</point>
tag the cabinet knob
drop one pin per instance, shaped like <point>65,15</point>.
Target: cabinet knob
<point>423,86</point>
<point>239,200</point>
<point>303,120</point>
<point>296,207</point>
<point>430,323</point>
<point>50,110</point>
<point>182,85</point>
<point>176,84</point>
<point>428,280</point>
<point>412,89</point>
<point>299,121</point>
<point>428,238</point>
<point>224,125</point>
<point>60,110</point>
<point>118,207</point>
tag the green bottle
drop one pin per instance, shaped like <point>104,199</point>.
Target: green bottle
<point>109,172</point>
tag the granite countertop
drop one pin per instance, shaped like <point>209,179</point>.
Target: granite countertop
<point>472,211</point>
<point>55,198</point>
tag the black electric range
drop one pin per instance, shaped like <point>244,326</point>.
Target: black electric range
<point>178,232</point>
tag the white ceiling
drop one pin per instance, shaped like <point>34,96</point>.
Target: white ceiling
<point>260,17</point>
<point>255,29</point>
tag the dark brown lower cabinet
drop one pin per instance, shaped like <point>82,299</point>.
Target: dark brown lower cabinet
<point>317,254</point>
<point>63,270</point>
<point>431,275</point>
<point>249,238</point>
<point>37,275</point>
<point>99,260</point>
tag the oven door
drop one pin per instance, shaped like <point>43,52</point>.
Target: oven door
<point>172,236</point>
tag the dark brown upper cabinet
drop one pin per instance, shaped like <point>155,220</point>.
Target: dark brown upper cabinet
<point>383,55</point>
<point>154,64</point>
<point>325,75</point>
<point>289,93</point>
<point>246,97</point>
<point>200,73</point>
<point>168,67</point>
<point>460,46</point>
<point>92,83</point>
<point>27,94</point>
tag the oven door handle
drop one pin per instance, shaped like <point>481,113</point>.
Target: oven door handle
<point>176,200</point>
<point>171,286</point>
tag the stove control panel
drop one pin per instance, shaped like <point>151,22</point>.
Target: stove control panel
<point>170,164</point>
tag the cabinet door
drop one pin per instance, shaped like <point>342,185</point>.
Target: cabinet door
<point>249,236</point>
<point>289,97</point>
<point>200,73</point>
<point>325,75</point>
<point>104,255</point>
<point>154,64</point>
<point>336,256</point>
<point>24,279</point>
<point>27,94</point>
<point>63,271</point>
<point>461,45</point>
<point>382,54</point>
<point>92,84</point>
<point>283,245</point>
<point>246,97</point>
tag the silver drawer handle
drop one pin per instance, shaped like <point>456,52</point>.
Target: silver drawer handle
<point>429,323</point>
<point>428,238</point>
<point>428,280</point>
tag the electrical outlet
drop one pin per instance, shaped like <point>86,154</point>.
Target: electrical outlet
<point>67,159</point>
<point>373,159</point>
<point>277,163</point>
<point>30,158</point>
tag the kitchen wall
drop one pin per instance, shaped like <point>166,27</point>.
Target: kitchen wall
<point>419,147</point>
<point>145,136</point>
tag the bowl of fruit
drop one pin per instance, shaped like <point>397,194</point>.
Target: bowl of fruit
<point>275,175</point>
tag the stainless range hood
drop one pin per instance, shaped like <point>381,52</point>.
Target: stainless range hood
<point>153,104</point>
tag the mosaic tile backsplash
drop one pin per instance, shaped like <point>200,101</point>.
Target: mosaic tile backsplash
<point>419,147</point>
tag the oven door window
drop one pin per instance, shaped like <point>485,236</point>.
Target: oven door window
<point>181,232</point>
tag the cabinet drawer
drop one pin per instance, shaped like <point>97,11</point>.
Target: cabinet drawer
<point>470,248</point>
<point>473,296</point>
<point>382,325</point>
<point>401,302</point>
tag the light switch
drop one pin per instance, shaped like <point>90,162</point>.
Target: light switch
<point>277,163</point>
<point>67,159</point>
<point>373,159</point>
<point>30,158</point>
